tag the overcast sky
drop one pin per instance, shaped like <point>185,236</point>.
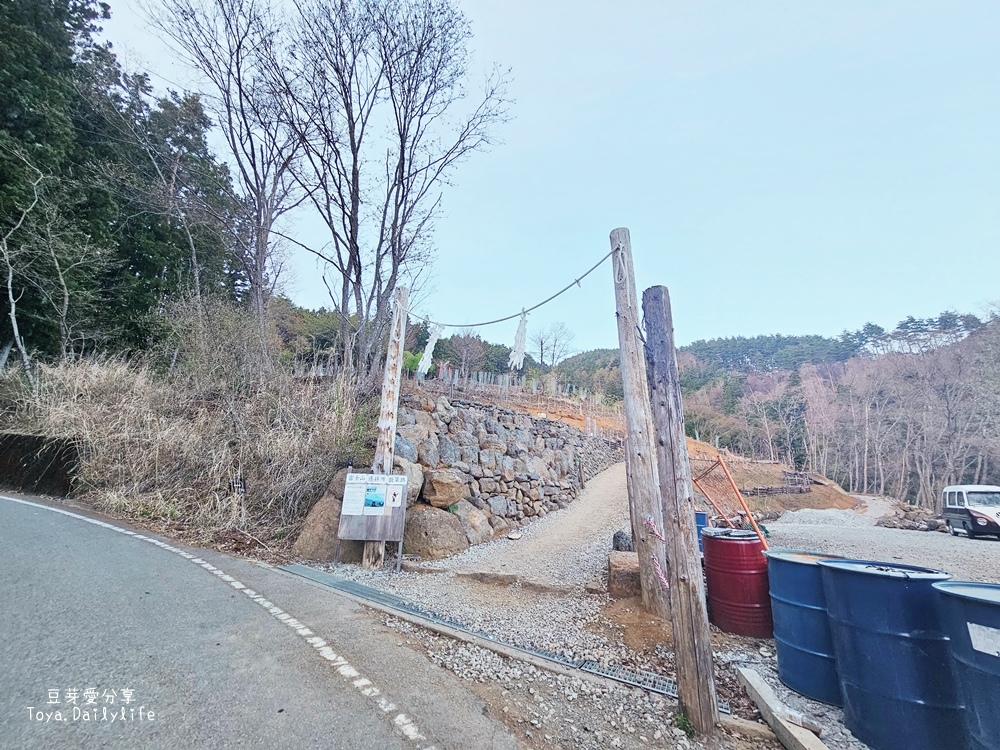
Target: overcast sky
<point>783,167</point>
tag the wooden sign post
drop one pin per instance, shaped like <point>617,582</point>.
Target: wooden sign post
<point>640,450</point>
<point>692,638</point>
<point>374,554</point>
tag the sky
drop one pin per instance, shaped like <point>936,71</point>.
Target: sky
<point>782,167</point>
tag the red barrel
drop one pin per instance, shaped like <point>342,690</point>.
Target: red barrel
<point>738,592</point>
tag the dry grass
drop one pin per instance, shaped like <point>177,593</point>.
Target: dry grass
<point>213,434</point>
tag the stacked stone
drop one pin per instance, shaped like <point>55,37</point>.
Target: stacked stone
<point>913,518</point>
<point>494,469</point>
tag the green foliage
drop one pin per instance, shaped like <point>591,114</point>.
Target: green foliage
<point>764,353</point>
<point>732,391</point>
<point>496,358</point>
<point>417,335</point>
<point>307,334</point>
<point>411,361</point>
<point>682,722</point>
<point>132,202</point>
<point>596,371</point>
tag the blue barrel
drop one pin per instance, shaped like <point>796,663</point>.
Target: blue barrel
<point>970,613</point>
<point>806,662</point>
<point>700,521</point>
<point>892,655</point>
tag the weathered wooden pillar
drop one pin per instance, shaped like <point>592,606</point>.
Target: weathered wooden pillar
<point>692,638</point>
<point>374,554</point>
<point>640,450</point>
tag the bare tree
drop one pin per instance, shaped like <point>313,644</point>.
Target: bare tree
<point>371,88</point>
<point>560,342</point>
<point>552,344</point>
<point>231,43</point>
<point>58,254</point>
<point>468,348</point>
<point>540,341</point>
<point>12,259</point>
<point>170,159</point>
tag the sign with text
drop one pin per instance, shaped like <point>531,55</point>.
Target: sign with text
<point>373,494</point>
<point>374,507</point>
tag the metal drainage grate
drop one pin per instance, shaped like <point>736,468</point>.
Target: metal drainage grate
<point>637,678</point>
<point>647,680</point>
<point>640,678</point>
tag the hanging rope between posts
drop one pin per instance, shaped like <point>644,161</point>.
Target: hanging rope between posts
<point>575,282</point>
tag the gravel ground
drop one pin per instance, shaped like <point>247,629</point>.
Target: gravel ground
<point>568,549</point>
<point>854,535</point>
<point>965,559</point>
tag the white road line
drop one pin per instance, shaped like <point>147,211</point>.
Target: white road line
<point>403,724</point>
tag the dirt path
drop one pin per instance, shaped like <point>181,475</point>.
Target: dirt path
<point>873,506</point>
<point>566,547</point>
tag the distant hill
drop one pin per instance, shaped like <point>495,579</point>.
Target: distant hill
<point>775,352</point>
<point>596,371</point>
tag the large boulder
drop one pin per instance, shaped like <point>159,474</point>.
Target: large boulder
<point>499,524</point>
<point>414,478</point>
<point>535,465</point>
<point>414,433</point>
<point>492,443</point>
<point>445,487</point>
<point>475,523</point>
<point>432,533</point>
<point>318,538</point>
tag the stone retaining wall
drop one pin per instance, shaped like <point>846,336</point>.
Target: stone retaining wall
<point>509,467</point>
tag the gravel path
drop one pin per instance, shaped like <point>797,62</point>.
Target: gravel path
<point>564,548</point>
<point>567,549</point>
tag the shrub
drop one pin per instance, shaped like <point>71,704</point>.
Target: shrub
<point>209,431</point>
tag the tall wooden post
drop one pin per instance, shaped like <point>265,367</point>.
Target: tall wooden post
<point>692,639</point>
<point>640,451</point>
<point>374,554</point>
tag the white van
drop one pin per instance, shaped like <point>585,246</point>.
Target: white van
<point>972,508</point>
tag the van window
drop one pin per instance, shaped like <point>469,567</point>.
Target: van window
<point>985,498</point>
<point>952,500</point>
<point>961,499</point>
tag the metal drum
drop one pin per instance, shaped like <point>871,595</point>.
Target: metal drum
<point>892,655</point>
<point>736,574</point>
<point>970,613</point>
<point>806,662</point>
<point>700,521</point>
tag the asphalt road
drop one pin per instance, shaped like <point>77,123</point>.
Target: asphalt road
<point>203,664</point>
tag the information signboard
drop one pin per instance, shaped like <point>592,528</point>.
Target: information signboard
<point>374,508</point>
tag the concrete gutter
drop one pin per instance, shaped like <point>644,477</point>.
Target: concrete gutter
<point>777,714</point>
